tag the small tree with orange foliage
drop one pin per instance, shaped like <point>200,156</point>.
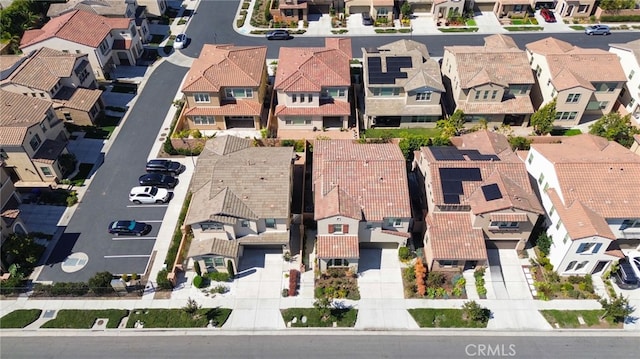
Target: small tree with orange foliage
<point>421,273</point>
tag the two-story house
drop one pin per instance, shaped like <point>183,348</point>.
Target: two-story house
<point>312,86</point>
<point>490,82</point>
<point>575,8</point>
<point>629,55</point>
<point>107,8</point>
<point>66,79</point>
<point>478,196</point>
<point>590,190</point>
<point>361,198</point>
<point>225,88</point>
<point>154,7</point>
<point>108,42</point>
<point>241,197</point>
<point>402,86</point>
<point>32,138</point>
<point>585,82</point>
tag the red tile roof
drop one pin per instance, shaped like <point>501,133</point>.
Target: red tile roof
<point>580,221</point>
<point>334,108</point>
<point>374,175</point>
<point>43,68</point>
<point>76,26</point>
<point>235,108</point>
<point>339,203</point>
<point>451,236</point>
<point>337,246</point>
<point>508,217</point>
<point>221,66</point>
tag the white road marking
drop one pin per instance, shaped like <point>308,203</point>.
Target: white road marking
<point>130,256</point>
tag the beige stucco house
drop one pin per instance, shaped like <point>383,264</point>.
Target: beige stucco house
<point>478,197</point>
<point>585,82</point>
<point>65,79</point>
<point>111,41</point>
<point>490,82</point>
<point>241,198</point>
<point>225,88</point>
<point>402,86</point>
<point>32,138</point>
<point>361,199</point>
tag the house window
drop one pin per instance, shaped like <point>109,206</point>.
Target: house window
<point>244,223</point>
<point>581,265</point>
<point>385,91</point>
<point>301,98</point>
<point>541,178</point>
<point>538,70</point>
<point>395,222</point>
<point>35,142</point>
<point>270,222</point>
<point>448,263</point>
<point>571,265</point>
<point>605,86</point>
<point>530,158</point>
<point>338,228</point>
<point>485,95</point>
<point>549,82</point>
<point>310,98</point>
<point>297,121</point>
<point>504,225</point>
<point>552,211</point>
<point>553,93</point>
<point>558,224</point>
<point>204,120</point>
<point>201,97</point>
<point>477,95</point>
<point>383,11</point>
<point>518,8</point>
<point>597,105</point>
<point>46,171</point>
<point>218,261</point>
<point>546,187</point>
<point>423,96</point>
<point>239,93</point>
<point>494,94</point>
<point>583,8</point>
<point>630,223</point>
<point>566,238</point>
<point>566,116</point>
<point>211,226</point>
<point>43,127</point>
<point>573,98</point>
<point>337,262</point>
<point>518,89</point>
<point>633,72</point>
<point>333,92</point>
<point>589,248</point>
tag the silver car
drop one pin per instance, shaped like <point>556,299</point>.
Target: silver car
<point>597,30</point>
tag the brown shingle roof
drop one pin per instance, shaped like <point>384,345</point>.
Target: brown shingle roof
<point>508,217</point>
<point>451,236</point>
<point>374,175</point>
<point>76,26</point>
<point>309,68</point>
<point>44,68</point>
<point>515,105</point>
<point>221,66</point>
<point>17,113</point>
<point>338,247</point>
<point>222,247</point>
<point>81,99</point>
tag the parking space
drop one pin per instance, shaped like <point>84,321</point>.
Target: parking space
<point>380,274</point>
<point>260,274</point>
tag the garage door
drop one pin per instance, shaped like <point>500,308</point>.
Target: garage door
<point>239,122</point>
<point>421,7</point>
<point>486,7</point>
<point>506,244</point>
<point>358,9</point>
<point>378,245</point>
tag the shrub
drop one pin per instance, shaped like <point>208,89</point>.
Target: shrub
<point>72,198</point>
<point>476,313</point>
<point>420,272</point>
<point>230,270</point>
<point>620,18</point>
<point>219,276</point>
<point>404,253</point>
<point>100,283</point>
<point>163,281</point>
<point>221,289</point>
<point>544,243</point>
<point>435,279</point>
<point>125,277</point>
<point>293,282</point>
<point>574,279</point>
<point>197,281</point>
<point>285,292</point>
<point>65,288</point>
<point>196,268</point>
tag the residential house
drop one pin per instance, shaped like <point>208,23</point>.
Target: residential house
<point>107,8</point>
<point>590,190</point>
<point>290,10</point>
<point>108,42</point>
<point>490,82</point>
<point>32,139</point>
<point>442,9</point>
<point>65,79</point>
<point>380,10</point>
<point>629,55</point>
<point>154,7</point>
<point>402,86</point>
<point>225,88</point>
<point>10,220</point>
<point>575,8</point>
<point>479,197</point>
<point>585,82</point>
<point>361,199</point>
<point>241,198</point>
<point>312,86</point>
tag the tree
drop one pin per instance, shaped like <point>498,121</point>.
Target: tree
<point>413,143</point>
<point>421,272</point>
<point>520,143</point>
<point>544,243</point>
<point>192,306</point>
<point>323,305</point>
<point>405,10</point>
<point>22,250</point>
<point>617,5</point>
<point>616,309</point>
<point>542,120</point>
<point>475,313</point>
<point>162,280</point>
<point>451,126</point>
<point>614,127</point>
<point>100,283</point>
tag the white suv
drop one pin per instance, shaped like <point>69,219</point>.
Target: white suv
<point>148,194</point>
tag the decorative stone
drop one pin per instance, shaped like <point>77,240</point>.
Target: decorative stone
<point>335,324</point>
<point>303,319</point>
<point>294,320</point>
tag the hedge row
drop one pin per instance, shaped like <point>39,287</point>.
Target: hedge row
<point>293,282</point>
<point>620,18</point>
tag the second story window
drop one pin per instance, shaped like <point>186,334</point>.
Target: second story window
<point>211,226</point>
<point>35,142</point>
<point>385,91</point>
<point>394,222</point>
<point>239,93</point>
<point>338,228</point>
<point>104,47</point>
<point>605,86</point>
<point>270,222</point>
<point>43,126</point>
<point>573,98</point>
<point>201,97</point>
<point>423,96</point>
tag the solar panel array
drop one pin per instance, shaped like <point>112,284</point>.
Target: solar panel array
<point>394,64</point>
<point>451,153</point>
<point>451,182</point>
<point>491,192</point>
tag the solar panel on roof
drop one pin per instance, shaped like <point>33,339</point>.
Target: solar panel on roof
<point>452,187</point>
<point>451,199</point>
<point>491,192</point>
<point>461,174</point>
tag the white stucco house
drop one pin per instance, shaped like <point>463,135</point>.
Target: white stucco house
<point>629,55</point>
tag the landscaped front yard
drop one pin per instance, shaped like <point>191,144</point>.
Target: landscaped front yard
<point>338,284</point>
<point>443,318</point>
<point>313,317</point>
<point>85,319</point>
<point>178,318</point>
<point>401,132</point>
<point>20,318</point>
<point>572,319</point>
<point>443,285</point>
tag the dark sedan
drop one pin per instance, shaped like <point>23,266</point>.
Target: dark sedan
<point>165,166</point>
<point>129,227</point>
<point>158,180</point>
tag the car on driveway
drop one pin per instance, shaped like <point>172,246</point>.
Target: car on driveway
<point>278,35</point>
<point>625,277</point>
<point>158,180</point>
<point>129,227</point>
<point>366,19</point>
<point>149,194</point>
<point>597,30</point>
<point>165,166</point>
<point>180,42</point>
<point>547,15</point>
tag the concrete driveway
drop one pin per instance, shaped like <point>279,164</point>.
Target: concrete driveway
<point>506,277</point>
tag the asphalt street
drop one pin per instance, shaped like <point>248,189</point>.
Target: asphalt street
<point>344,345</point>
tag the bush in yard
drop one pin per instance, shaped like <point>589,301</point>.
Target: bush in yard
<point>293,282</point>
<point>196,268</point>
<point>219,276</point>
<point>192,306</point>
<point>100,283</point>
<point>285,292</point>
<point>476,313</point>
<point>163,281</point>
<point>197,281</point>
<point>420,271</point>
<point>544,243</point>
<point>220,289</point>
<point>435,279</point>
<point>616,309</point>
<point>404,253</point>
<point>230,270</point>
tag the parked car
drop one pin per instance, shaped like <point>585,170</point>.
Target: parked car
<point>547,15</point>
<point>180,42</point>
<point>625,277</point>
<point>278,35</point>
<point>129,227</point>
<point>149,194</point>
<point>158,180</point>
<point>165,166</point>
<point>597,30</point>
<point>366,19</point>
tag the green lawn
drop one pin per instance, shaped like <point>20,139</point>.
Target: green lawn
<point>471,22</point>
<point>85,319</point>
<point>344,317</point>
<point>442,318</point>
<point>569,318</point>
<point>459,29</point>
<point>524,28</point>
<point>104,127</point>
<point>402,132</point>
<point>83,173</point>
<point>577,27</point>
<point>565,132</point>
<point>20,318</point>
<point>178,318</point>
<point>124,88</point>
